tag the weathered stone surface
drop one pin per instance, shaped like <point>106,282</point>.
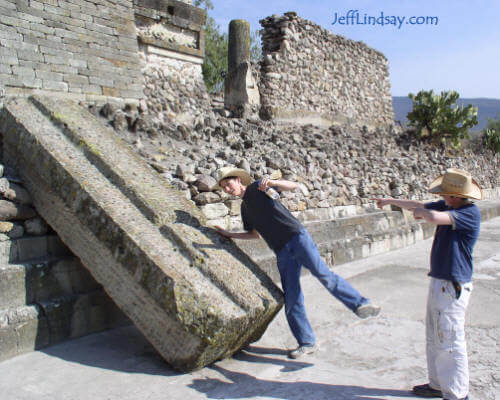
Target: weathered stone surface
<point>205,183</point>
<point>12,230</point>
<point>215,210</point>
<point>30,327</point>
<point>240,86</point>
<point>195,297</point>
<point>35,226</point>
<point>12,211</point>
<point>14,192</point>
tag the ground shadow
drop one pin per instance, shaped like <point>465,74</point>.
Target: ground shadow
<point>122,349</point>
<point>245,386</point>
<point>254,354</point>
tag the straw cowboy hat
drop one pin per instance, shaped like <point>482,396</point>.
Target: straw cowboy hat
<point>456,182</point>
<point>227,172</point>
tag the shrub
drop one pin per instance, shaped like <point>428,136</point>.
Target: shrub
<point>434,115</point>
<point>491,135</point>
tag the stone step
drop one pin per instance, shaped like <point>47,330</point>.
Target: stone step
<point>31,327</point>
<point>29,248</point>
<point>42,280</point>
<point>336,249</point>
<point>489,208</point>
<point>355,226</point>
<point>194,298</point>
<point>358,236</point>
<point>343,229</point>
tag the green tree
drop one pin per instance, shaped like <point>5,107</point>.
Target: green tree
<point>491,135</point>
<point>215,63</point>
<point>439,117</point>
<point>214,67</point>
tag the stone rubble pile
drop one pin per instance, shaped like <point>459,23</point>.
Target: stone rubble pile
<point>17,215</point>
<point>336,166</point>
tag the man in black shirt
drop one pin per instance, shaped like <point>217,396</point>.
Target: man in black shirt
<point>264,216</point>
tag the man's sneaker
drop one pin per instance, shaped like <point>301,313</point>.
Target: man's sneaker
<point>302,350</point>
<point>367,310</point>
<point>426,391</point>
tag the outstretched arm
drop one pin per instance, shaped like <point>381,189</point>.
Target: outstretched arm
<point>281,184</point>
<point>238,235</point>
<point>433,216</point>
<point>419,211</point>
<point>402,203</point>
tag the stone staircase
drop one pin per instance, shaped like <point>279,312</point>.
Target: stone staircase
<point>47,296</point>
<point>194,298</point>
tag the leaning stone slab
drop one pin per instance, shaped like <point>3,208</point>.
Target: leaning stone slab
<point>196,297</point>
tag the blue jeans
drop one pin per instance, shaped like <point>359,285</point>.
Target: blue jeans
<point>302,251</point>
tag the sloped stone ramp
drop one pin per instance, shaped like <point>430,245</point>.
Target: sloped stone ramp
<point>194,296</point>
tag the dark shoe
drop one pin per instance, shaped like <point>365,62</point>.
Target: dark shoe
<point>367,310</point>
<point>426,391</point>
<point>302,350</point>
<point>465,398</point>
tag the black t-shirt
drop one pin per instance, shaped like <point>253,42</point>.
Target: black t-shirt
<point>268,217</point>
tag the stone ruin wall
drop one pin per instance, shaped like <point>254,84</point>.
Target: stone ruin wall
<point>174,89</point>
<point>99,51</point>
<point>325,77</point>
<point>82,50</point>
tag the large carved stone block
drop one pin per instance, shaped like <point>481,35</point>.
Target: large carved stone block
<point>196,297</point>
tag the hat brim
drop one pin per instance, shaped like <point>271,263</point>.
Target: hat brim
<point>240,173</point>
<point>474,193</point>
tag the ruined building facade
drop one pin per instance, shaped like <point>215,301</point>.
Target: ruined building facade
<point>102,51</point>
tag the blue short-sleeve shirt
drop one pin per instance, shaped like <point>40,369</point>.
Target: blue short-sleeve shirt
<point>451,255</point>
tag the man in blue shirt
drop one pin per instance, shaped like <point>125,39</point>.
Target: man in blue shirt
<point>264,216</point>
<point>457,222</point>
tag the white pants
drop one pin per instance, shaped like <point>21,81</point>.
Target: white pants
<point>447,362</point>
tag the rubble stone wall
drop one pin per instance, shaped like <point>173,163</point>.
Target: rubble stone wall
<point>175,92</point>
<point>325,77</point>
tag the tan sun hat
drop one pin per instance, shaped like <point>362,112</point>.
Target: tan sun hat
<point>227,172</point>
<point>456,182</point>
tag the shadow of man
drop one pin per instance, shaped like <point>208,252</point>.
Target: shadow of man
<point>237,385</point>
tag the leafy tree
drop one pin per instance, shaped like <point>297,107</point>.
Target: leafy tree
<point>434,116</point>
<point>215,63</point>
<point>214,67</point>
<point>491,135</point>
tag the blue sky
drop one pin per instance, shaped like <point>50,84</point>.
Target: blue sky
<point>461,52</point>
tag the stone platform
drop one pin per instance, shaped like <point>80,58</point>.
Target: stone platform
<point>378,358</point>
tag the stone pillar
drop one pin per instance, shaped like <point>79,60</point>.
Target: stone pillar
<point>241,91</point>
<point>239,43</point>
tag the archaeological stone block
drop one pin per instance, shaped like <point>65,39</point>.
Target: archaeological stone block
<point>194,295</point>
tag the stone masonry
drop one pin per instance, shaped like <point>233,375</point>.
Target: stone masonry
<point>326,78</point>
<point>94,52</point>
<point>195,297</point>
<point>78,49</point>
